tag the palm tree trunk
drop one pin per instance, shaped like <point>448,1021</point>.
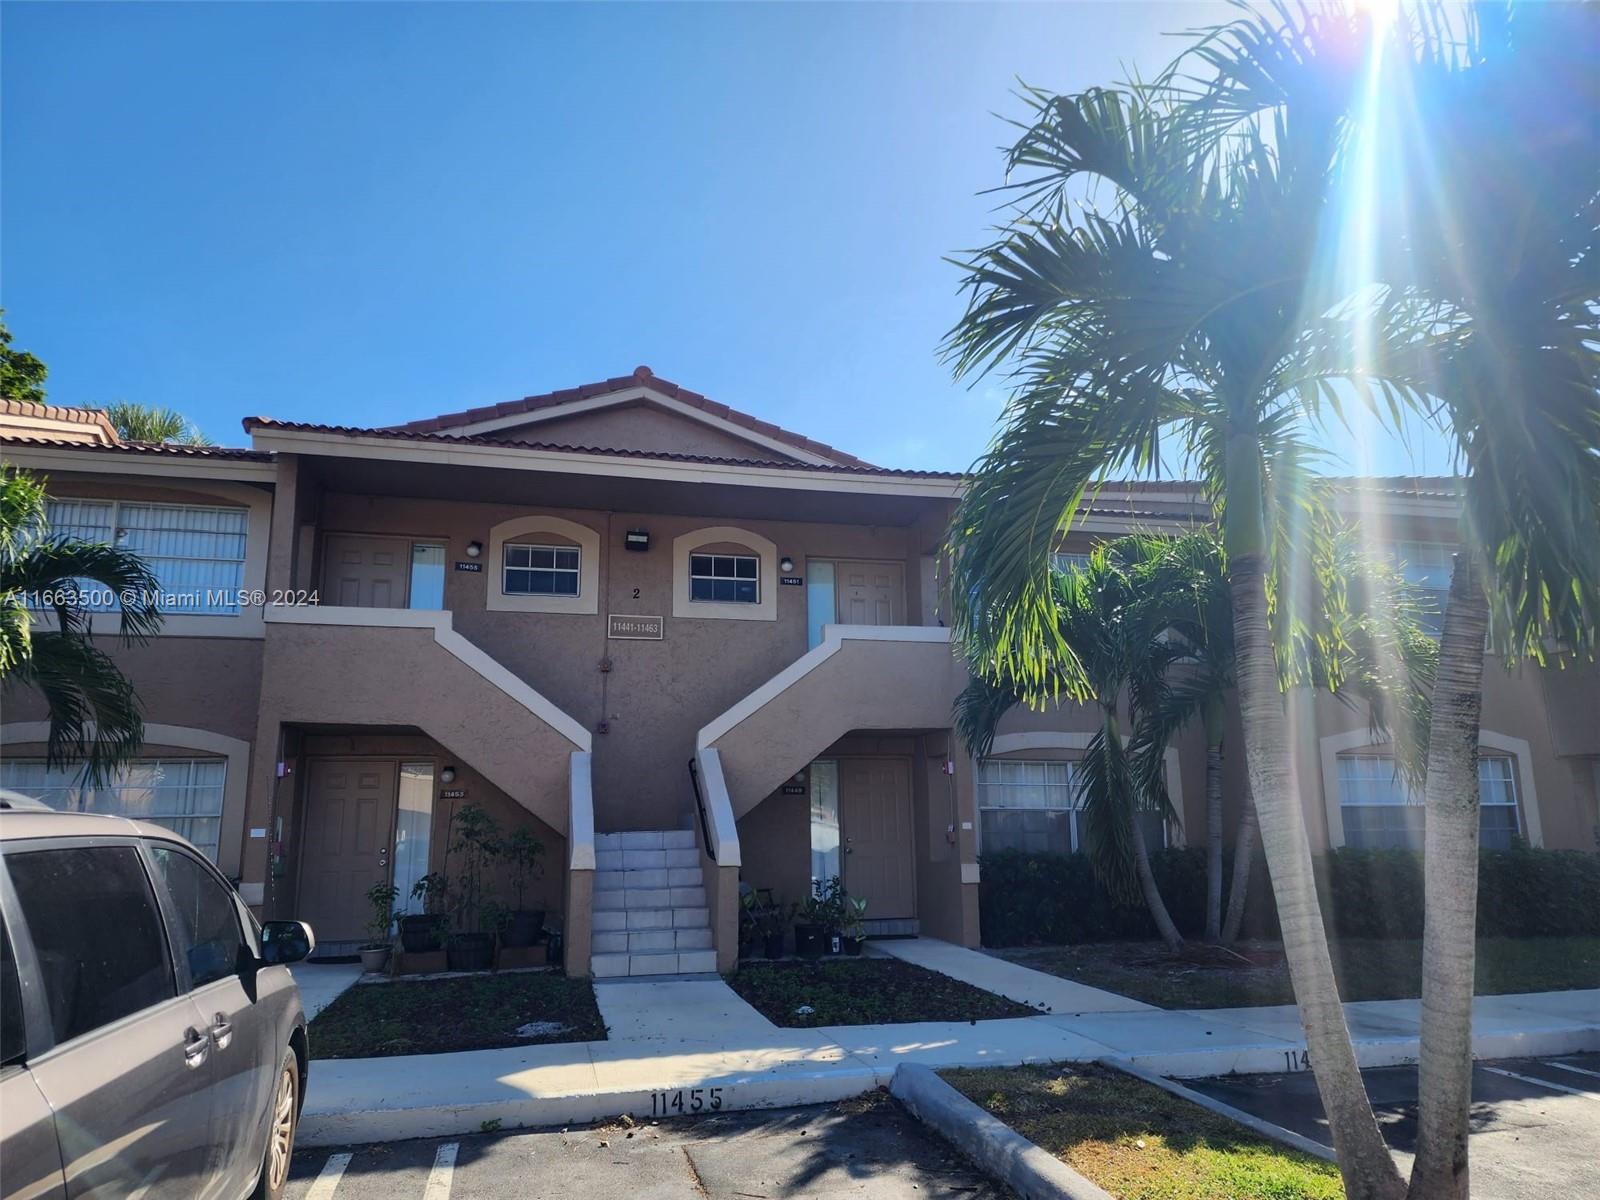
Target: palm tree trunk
<point>1147,884</point>
<point>1244,853</point>
<point>1213,724</point>
<point>1450,892</point>
<point>1364,1161</point>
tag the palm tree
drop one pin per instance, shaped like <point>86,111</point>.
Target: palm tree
<point>1111,617</point>
<point>148,423</point>
<point>1353,628</point>
<point>1495,245</point>
<point>1154,280</point>
<point>94,713</point>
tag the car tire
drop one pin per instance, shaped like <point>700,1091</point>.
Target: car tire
<point>283,1118</point>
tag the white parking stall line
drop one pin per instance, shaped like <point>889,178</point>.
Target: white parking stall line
<point>444,1168</point>
<point>1569,1067</point>
<point>332,1171</point>
<point>1544,1083</point>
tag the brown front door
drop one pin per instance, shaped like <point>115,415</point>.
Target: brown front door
<point>870,593</point>
<point>349,824</point>
<point>365,572</point>
<point>875,819</point>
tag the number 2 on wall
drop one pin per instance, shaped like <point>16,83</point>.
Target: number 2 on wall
<point>635,593</point>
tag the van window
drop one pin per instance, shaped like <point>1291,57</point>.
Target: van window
<point>96,934</point>
<point>208,922</point>
<point>13,1042</point>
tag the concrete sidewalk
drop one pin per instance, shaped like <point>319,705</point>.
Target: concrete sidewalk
<point>689,1046</point>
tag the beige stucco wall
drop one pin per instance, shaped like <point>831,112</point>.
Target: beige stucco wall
<point>640,427</point>
<point>657,694</point>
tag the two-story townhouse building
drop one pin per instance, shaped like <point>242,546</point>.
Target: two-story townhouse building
<point>685,647</point>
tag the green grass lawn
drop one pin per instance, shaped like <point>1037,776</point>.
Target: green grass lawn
<point>1139,1142</point>
<point>864,991</point>
<point>420,1016</point>
<point>1367,970</point>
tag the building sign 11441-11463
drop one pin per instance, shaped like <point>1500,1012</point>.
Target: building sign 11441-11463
<point>630,627</point>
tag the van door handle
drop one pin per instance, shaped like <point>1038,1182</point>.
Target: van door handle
<point>195,1048</point>
<point>221,1032</point>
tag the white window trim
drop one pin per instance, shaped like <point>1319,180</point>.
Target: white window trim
<point>1046,739</point>
<point>553,569</point>
<point>248,621</point>
<point>522,529</point>
<point>1335,744</point>
<point>763,549</point>
<point>203,741</point>
<point>716,554</point>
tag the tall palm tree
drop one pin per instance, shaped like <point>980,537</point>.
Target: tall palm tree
<point>1111,616</point>
<point>94,714</point>
<point>150,423</point>
<point>1495,241</point>
<point>1155,281</point>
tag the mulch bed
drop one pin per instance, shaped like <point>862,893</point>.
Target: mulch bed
<point>864,991</point>
<point>480,1012</point>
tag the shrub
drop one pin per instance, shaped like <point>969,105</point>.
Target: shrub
<point>1054,898</point>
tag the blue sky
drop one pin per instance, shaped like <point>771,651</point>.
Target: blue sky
<point>367,213</point>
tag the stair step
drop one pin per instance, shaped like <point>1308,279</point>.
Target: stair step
<point>665,877</point>
<point>645,839</point>
<point>671,962</point>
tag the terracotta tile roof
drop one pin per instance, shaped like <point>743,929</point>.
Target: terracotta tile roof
<point>170,449</point>
<point>96,423</point>
<point>641,377</point>
<point>251,424</point>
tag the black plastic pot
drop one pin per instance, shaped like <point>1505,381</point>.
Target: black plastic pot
<point>808,940</point>
<point>421,933</point>
<point>523,928</point>
<point>470,952</point>
<point>772,944</point>
<point>852,946</point>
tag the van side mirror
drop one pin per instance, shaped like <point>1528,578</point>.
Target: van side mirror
<point>284,942</point>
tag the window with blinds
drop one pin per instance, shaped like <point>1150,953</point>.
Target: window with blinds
<point>196,552</point>
<point>180,794</point>
<point>1381,813</point>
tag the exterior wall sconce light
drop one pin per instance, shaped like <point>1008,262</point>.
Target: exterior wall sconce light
<point>474,549</point>
<point>786,565</point>
<point>637,539</point>
<point>447,775</point>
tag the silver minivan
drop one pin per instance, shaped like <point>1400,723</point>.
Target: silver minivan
<point>152,1040</point>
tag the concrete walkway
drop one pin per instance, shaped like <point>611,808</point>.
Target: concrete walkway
<point>689,1046</point>
<point>1037,989</point>
<point>323,983</point>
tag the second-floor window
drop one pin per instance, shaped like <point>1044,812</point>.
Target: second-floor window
<point>535,570</point>
<point>725,578</point>
<point>195,551</point>
<point>1426,567</point>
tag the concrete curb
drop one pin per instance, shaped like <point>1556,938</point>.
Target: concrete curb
<point>1031,1171</point>
<point>1267,1129</point>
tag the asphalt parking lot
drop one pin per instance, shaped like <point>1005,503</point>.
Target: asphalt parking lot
<point>866,1147</point>
<point>1535,1121</point>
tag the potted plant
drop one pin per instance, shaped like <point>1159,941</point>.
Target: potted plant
<point>770,924</point>
<point>817,929</point>
<point>854,931</point>
<point>476,842</point>
<point>423,933</point>
<point>375,954</point>
<point>523,925</point>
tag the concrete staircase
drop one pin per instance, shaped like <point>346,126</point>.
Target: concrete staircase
<point>650,914</point>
